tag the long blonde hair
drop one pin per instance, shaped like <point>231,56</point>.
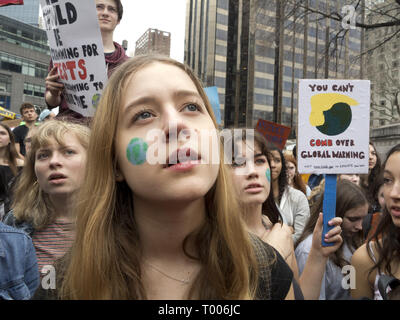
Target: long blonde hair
<point>105,260</point>
<point>30,202</point>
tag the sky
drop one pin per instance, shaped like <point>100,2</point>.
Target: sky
<point>165,15</point>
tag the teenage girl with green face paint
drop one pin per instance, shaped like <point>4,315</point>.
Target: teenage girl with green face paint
<point>251,175</point>
<point>162,231</point>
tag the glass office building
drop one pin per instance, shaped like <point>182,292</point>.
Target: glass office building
<point>231,44</point>
<point>27,13</point>
<point>24,61</point>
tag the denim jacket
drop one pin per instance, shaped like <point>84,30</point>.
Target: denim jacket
<point>10,220</point>
<point>19,274</point>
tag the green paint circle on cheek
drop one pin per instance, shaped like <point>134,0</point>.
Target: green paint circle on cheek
<point>268,175</point>
<point>136,151</point>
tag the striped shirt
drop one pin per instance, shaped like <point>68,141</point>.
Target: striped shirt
<point>53,241</point>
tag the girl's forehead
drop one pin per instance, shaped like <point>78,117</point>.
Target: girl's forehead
<point>393,162</point>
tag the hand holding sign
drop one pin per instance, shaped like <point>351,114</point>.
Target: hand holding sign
<point>52,84</point>
<point>333,237</point>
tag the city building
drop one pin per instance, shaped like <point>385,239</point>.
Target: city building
<point>27,13</point>
<point>256,59</point>
<point>24,60</point>
<point>383,65</point>
<point>154,41</point>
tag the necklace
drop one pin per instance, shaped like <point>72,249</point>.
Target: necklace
<point>182,281</point>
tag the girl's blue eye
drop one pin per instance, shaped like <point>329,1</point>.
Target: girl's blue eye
<point>238,162</point>
<point>191,107</point>
<point>142,115</point>
<point>69,152</point>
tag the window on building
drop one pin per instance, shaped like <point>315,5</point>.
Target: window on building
<point>5,83</point>
<point>20,65</point>
<point>34,90</point>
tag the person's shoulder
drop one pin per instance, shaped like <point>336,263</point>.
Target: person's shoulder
<point>18,128</point>
<point>20,162</point>
<point>21,129</point>
<point>304,245</point>
<point>295,192</point>
<point>10,230</point>
<point>296,195</point>
<point>361,257</point>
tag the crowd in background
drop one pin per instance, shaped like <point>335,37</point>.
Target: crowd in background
<point>123,228</point>
<point>84,215</point>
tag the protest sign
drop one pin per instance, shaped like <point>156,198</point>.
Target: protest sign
<point>4,3</point>
<point>212,94</point>
<point>333,126</point>
<point>76,49</point>
<point>273,132</point>
<point>333,134</point>
<point>7,113</point>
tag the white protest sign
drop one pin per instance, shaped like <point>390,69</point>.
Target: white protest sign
<point>333,126</point>
<point>76,48</point>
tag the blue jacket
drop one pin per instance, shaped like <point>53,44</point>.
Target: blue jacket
<point>19,273</point>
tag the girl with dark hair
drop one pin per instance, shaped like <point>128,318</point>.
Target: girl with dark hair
<point>10,164</point>
<point>292,203</point>
<point>253,187</point>
<point>368,181</point>
<point>381,254</point>
<point>251,176</point>
<point>294,178</point>
<point>352,207</point>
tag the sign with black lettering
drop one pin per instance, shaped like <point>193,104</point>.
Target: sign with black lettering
<point>76,49</point>
<point>333,126</point>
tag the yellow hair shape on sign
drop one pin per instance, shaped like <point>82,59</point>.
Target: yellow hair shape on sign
<point>324,101</point>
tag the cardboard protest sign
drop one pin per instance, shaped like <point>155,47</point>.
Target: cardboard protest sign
<point>212,94</point>
<point>76,48</point>
<point>333,126</point>
<point>273,132</point>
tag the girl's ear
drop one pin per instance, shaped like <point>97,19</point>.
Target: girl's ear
<point>118,175</point>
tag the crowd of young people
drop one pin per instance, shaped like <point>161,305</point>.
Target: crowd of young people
<point>115,225</point>
<point>233,220</point>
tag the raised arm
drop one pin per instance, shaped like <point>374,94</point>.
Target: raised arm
<point>312,275</point>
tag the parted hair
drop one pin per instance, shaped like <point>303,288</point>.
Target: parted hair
<point>105,260</point>
<point>282,178</point>
<point>120,9</point>
<point>298,182</point>
<point>386,237</point>
<point>269,207</point>
<point>348,196</point>
<point>30,202</point>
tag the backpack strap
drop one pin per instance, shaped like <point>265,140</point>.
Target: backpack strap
<point>387,282</point>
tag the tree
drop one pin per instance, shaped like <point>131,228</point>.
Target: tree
<point>364,14</point>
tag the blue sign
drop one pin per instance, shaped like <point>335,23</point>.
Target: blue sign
<point>212,94</point>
